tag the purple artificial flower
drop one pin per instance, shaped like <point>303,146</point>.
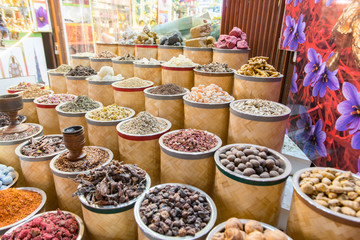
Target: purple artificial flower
<point>350,113</point>
<point>295,2</point>
<point>328,2</point>
<point>315,143</point>
<point>299,35</point>
<point>304,125</point>
<point>358,173</point>
<point>325,79</point>
<point>41,17</point>
<point>289,31</point>
<point>312,68</point>
<point>294,87</point>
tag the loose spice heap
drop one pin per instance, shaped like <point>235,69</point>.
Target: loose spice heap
<point>134,82</point>
<point>110,113</point>
<point>34,92</point>
<point>333,189</point>
<point>209,94</point>
<point>175,211</point>
<point>30,131</point>
<point>17,204</point>
<point>252,162</point>
<point>260,107</point>
<point>55,98</point>
<point>235,40</point>
<point>113,184</point>
<point>147,37</point>
<point>105,54</point>
<point>252,230</point>
<point>145,61</point>
<point>23,86</point>
<point>58,225</point>
<point>5,121</point>
<point>43,146</point>
<point>180,61</point>
<point>126,57</point>
<point>94,158</point>
<point>7,176</point>
<point>168,89</point>
<point>190,140</point>
<point>63,68</point>
<point>106,73</point>
<point>80,71</point>
<point>214,67</point>
<point>80,104</point>
<point>174,39</point>
<point>143,124</point>
<point>258,67</point>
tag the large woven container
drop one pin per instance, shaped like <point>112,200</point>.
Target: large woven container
<point>248,87</point>
<point>149,72</point>
<point>8,156</point>
<point>234,58</point>
<point>310,220</point>
<point>199,55</point>
<point>224,80</point>
<point>103,133</point>
<point>111,222</point>
<point>80,60</point>
<point>193,168</point>
<point>268,131</point>
<point>111,47</point>
<point>170,107</point>
<point>143,150</point>
<point>57,82</point>
<point>130,97</point>
<point>124,49</point>
<point>165,53</point>
<point>29,109</point>
<point>37,173</point>
<point>146,51</point>
<point>11,90</point>
<point>254,198</point>
<point>77,85</point>
<point>101,91</point>
<point>212,117</point>
<point>145,233</point>
<point>98,63</point>
<point>65,186</point>
<point>182,76</point>
<point>125,68</point>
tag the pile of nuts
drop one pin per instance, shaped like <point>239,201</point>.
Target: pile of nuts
<point>260,107</point>
<point>146,37</point>
<point>339,191</point>
<point>258,67</point>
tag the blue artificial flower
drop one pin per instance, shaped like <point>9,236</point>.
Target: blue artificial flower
<point>312,68</point>
<point>294,87</point>
<point>304,125</point>
<point>315,143</point>
<point>289,32</point>
<point>299,35</point>
<point>325,79</point>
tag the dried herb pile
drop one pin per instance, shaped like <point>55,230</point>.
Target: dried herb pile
<point>80,104</point>
<point>168,89</point>
<point>143,124</point>
<point>81,71</point>
<point>43,146</point>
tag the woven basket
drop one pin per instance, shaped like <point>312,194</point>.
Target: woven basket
<point>77,85</point>
<point>199,55</point>
<point>165,53</point>
<point>57,82</point>
<point>103,133</point>
<point>248,87</point>
<point>148,72</point>
<point>125,68</point>
<point>101,91</point>
<point>170,107</point>
<point>193,168</point>
<point>224,80</point>
<point>99,220</point>
<point>310,220</point>
<point>29,109</point>
<point>143,150</point>
<point>8,156</point>
<point>130,97</point>
<point>182,76</point>
<point>80,60</point>
<point>111,47</point>
<point>234,58</point>
<point>65,186</point>
<point>38,174</point>
<point>146,51</point>
<point>11,90</point>
<point>268,131</point>
<point>212,117</point>
<point>124,49</point>
<point>98,63</point>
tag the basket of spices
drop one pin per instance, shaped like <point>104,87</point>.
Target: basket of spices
<point>81,59</point>
<point>46,112</point>
<point>78,159</point>
<point>57,78</point>
<point>76,80</point>
<point>170,46</point>
<point>139,142</point>
<point>108,195</point>
<point>166,101</point>
<point>55,224</point>
<point>5,120</point>
<point>18,205</point>
<point>148,69</point>
<point>325,205</point>
<point>102,59</point>
<point>126,42</point>
<point>35,156</point>
<point>124,49</point>
<point>187,157</point>
<point>145,44</point>
<point>217,73</point>
<point>178,70</point>
<point>8,177</point>
<point>265,122</point>
<point>254,178</point>
<point>259,76</point>
<point>124,65</point>
<point>101,125</point>
<point>23,86</point>
<point>235,228</point>
<point>15,133</point>
<point>72,113</point>
<point>174,211</point>
<point>130,93</point>
<point>28,97</point>
<point>199,55</point>
<point>106,47</point>
<point>207,108</point>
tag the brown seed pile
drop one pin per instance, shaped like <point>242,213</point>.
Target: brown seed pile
<point>258,67</point>
<point>43,146</point>
<point>126,57</point>
<point>143,124</point>
<point>81,71</point>
<point>167,89</point>
<point>34,92</point>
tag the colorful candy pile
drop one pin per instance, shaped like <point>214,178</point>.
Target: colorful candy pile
<point>55,98</point>
<point>208,94</point>
<point>235,40</point>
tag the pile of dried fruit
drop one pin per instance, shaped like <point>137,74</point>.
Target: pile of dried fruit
<point>209,94</point>
<point>258,67</point>
<point>235,40</point>
<point>43,146</point>
<point>260,107</point>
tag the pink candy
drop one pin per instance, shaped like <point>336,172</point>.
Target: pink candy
<point>55,98</point>
<point>235,40</point>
